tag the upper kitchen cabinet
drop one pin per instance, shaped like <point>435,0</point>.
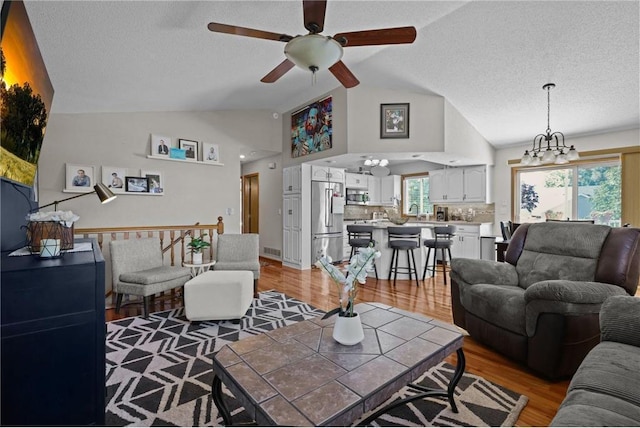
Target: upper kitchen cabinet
<point>390,189</point>
<point>292,179</point>
<point>325,173</point>
<point>356,181</point>
<point>468,184</point>
<point>475,184</point>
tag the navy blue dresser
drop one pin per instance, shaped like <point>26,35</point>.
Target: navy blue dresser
<point>53,339</point>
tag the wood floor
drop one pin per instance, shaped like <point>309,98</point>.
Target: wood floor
<point>431,298</point>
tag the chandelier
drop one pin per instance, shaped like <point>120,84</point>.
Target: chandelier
<point>555,150</point>
<point>376,162</point>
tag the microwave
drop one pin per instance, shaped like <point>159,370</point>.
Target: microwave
<point>357,197</point>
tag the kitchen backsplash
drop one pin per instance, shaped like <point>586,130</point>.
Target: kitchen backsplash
<point>483,213</point>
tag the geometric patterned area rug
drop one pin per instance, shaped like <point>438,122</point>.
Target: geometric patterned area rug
<point>159,373</point>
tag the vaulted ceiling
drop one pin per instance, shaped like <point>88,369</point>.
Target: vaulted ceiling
<point>489,59</point>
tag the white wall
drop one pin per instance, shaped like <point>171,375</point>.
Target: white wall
<point>461,138</point>
<point>426,124</point>
<point>502,172</point>
<point>193,192</point>
<point>270,201</point>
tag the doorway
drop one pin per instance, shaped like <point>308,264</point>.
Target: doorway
<point>251,203</point>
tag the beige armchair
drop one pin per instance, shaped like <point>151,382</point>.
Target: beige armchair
<point>239,252</point>
<point>137,269</point>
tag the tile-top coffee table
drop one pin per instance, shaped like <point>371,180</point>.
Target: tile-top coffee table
<point>300,376</point>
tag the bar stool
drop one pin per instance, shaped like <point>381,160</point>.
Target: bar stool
<point>403,238</point>
<point>442,241</point>
<point>361,236</point>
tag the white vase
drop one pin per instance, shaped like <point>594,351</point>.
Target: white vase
<point>348,330</point>
<point>196,258</point>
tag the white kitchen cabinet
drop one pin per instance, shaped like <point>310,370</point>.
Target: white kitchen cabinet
<point>292,179</point>
<point>325,173</point>
<point>374,184</point>
<point>390,189</point>
<point>467,184</point>
<point>356,181</point>
<point>475,184</point>
<point>467,242</point>
<point>446,185</point>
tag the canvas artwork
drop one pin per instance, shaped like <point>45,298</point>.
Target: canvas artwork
<point>155,181</point>
<point>210,152</point>
<point>311,128</point>
<point>113,178</point>
<point>160,145</point>
<point>26,93</point>
<point>80,178</point>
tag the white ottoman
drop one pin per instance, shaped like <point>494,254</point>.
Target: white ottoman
<point>218,295</point>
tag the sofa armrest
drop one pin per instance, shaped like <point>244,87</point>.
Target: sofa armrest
<point>473,271</point>
<point>570,298</point>
<point>580,292</point>
<point>620,320</point>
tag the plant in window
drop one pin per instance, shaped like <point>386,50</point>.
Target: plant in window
<point>529,197</point>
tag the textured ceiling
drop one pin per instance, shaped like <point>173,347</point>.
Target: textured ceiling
<point>489,59</point>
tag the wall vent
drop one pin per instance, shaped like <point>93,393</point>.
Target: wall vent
<point>272,251</point>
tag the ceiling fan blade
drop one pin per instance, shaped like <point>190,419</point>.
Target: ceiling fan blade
<point>314,12</point>
<point>344,75</point>
<point>249,32</point>
<point>278,72</point>
<point>383,36</point>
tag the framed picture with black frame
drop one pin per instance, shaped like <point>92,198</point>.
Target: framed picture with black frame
<point>190,147</point>
<point>394,120</point>
<point>136,184</point>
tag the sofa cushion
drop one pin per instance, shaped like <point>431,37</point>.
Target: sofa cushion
<point>611,368</point>
<point>583,408</point>
<point>155,275</point>
<point>560,251</point>
<point>500,305</point>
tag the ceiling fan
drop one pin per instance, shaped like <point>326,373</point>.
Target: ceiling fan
<point>315,51</point>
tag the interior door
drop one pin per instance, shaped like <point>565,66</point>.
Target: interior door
<point>251,203</point>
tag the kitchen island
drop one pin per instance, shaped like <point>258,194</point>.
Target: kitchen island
<point>466,243</point>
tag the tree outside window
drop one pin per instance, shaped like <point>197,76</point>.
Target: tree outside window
<point>416,195</point>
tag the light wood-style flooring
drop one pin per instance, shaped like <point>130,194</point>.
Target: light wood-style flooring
<point>431,298</point>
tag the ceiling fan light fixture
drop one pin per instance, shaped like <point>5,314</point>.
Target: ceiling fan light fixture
<point>313,52</point>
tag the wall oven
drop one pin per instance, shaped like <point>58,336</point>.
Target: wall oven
<point>357,197</point>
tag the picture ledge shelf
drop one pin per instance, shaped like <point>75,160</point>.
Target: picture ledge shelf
<point>184,160</point>
<point>118,193</point>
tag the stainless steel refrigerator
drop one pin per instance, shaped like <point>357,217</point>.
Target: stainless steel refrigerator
<point>327,208</point>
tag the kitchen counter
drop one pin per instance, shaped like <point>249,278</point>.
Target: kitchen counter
<point>383,224</point>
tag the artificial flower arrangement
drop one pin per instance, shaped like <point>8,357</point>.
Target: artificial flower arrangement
<point>356,272</point>
<point>66,218</point>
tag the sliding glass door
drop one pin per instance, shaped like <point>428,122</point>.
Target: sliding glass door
<point>586,191</point>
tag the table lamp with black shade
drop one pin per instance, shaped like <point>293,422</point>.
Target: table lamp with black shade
<point>39,230</point>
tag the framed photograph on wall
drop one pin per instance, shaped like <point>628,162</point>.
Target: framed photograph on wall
<point>136,184</point>
<point>155,181</point>
<point>113,178</point>
<point>210,153</point>
<point>160,145</point>
<point>394,120</point>
<point>190,148</point>
<point>80,178</point>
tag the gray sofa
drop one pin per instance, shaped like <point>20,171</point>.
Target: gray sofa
<point>605,391</point>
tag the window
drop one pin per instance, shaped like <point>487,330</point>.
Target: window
<point>586,191</point>
<point>415,190</point>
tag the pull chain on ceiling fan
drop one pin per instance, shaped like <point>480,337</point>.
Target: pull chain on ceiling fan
<point>316,52</point>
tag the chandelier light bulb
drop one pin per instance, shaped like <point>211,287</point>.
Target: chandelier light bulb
<point>526,158</point>
<point>573,154</point>
<point>384,162</point>
<point>535,160</point>
<point>548,156</point>
<point>561,159</point>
